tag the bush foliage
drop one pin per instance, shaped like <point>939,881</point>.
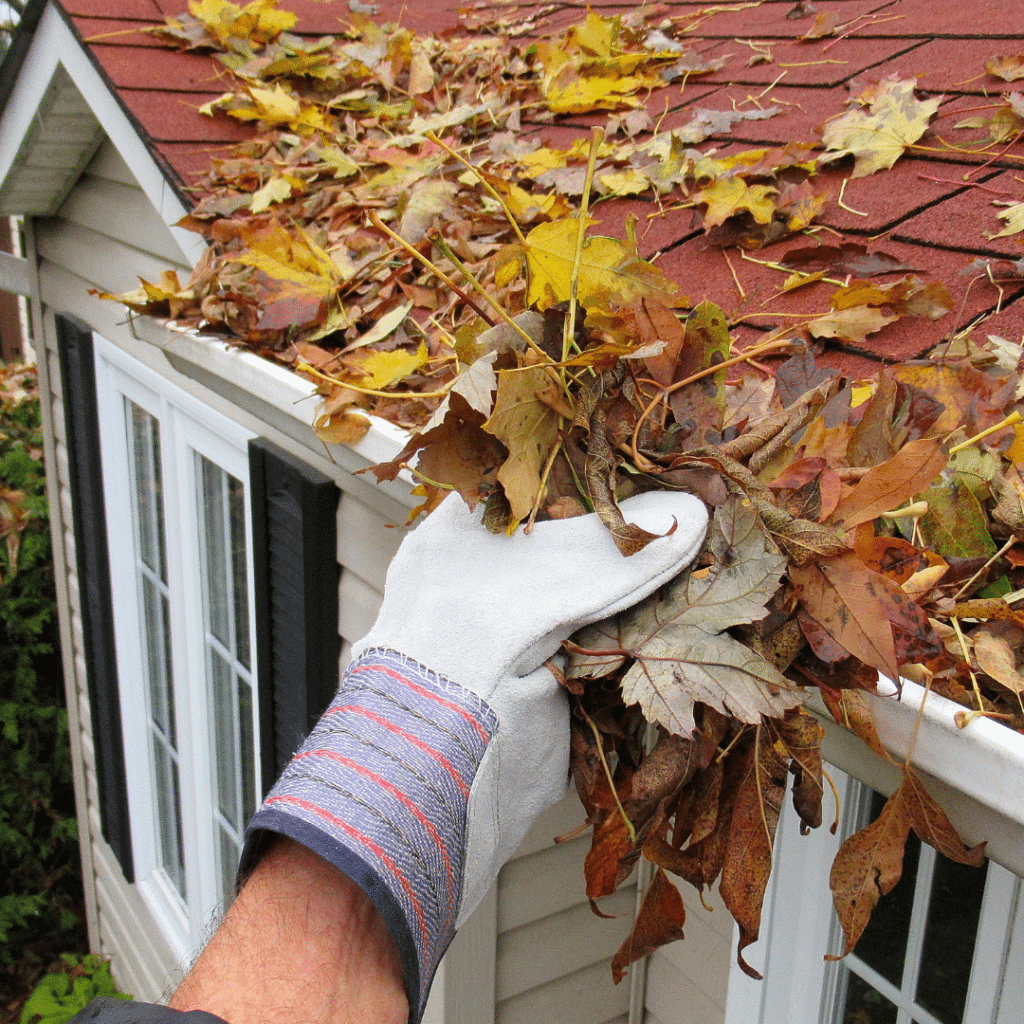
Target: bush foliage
<point>40,885</point>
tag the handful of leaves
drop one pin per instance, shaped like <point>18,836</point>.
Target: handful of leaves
<point>861,527</point>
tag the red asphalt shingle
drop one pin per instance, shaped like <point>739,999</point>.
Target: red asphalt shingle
<point>932,209</point>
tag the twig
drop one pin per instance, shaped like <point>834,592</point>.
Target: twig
<point>955,622</point>
<point>483,181</point>
<point>608,775</point>
<point>545,473</point>
<point>569,324</point>
<point>416,254</point>
<point>962,184</point>
<point>849,209</point>
<point>999,554</point>
<point>995,156</point>
<point>663,393</point>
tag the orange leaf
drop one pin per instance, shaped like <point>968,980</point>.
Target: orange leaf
<point>660,921</point>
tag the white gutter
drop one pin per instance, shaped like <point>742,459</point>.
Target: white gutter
<point>976,773</point>
<point>274,393</point>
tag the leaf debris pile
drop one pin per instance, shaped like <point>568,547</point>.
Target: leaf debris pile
<point>391,234</point>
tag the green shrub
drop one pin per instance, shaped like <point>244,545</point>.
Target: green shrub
<point>59,996</point>
<point>40,890</point>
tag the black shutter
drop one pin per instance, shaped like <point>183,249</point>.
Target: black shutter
<point>78,376</point>
<point>295,561</point>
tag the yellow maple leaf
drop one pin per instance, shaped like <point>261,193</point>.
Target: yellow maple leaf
<point>877,139</point>
<point>728,196</point>
<point>381,369</point>
<point>607,267</point>
<point>258,22</point>
<point>597,35</point>
<point>595,92</point>
<point>528,427</point>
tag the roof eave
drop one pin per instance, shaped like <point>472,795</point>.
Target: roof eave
<point>58,110</point>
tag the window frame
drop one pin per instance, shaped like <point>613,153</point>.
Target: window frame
<point>799,927</point>
<point>188,428</point>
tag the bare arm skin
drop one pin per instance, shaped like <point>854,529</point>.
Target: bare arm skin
<point>301,945</point>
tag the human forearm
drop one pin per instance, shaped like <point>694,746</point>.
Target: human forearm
<point>301,944</point>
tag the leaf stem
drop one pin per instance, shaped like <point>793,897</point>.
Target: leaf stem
<point>542,487</point>
<point>608,775</point>
<point>483,181</point>
<point>1010,421</point>
<point>478,287</point>
<point>664,392</point>
<point>569,324</point>
<point>416,254</point>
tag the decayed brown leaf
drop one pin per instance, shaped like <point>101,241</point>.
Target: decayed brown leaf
<point>870,862</point>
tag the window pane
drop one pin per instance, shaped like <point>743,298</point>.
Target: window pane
<point>864,1005</point>
<point>239,561</point>
<point>949,938</point>
<point>884,942</point>
<point>226,753</point>
<point>146,501</point>
<point>225,558</point>
<point>155,614</point>
<point>144,440</point>
<point>214,528</point>
<point>168,801</point>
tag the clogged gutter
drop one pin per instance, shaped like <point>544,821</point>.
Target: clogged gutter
<point>393,234</point>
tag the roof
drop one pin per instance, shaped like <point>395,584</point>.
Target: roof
<point>933,210</point>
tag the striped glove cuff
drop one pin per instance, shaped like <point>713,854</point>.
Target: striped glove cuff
<point>380,790</point>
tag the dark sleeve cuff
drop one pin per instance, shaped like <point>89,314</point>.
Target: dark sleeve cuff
<point>380,790</point>
<point>110,1010</point>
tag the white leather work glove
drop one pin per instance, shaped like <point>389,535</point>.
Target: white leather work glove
<point>448,735</point>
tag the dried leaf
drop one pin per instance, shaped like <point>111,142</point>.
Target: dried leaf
<point>528,427</point>
<point>892,484</point>
<point>878,137</point>
<point>660,920</point>
<point>849,601</point>
<point>681,651</point>
<point>870,862</point>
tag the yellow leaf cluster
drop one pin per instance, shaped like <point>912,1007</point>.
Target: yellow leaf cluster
<point>257,23</point>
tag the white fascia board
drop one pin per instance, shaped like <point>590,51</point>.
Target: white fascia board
<point>53,43</point>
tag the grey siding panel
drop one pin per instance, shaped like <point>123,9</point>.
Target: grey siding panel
<point>108,164</point>
<point>553,953</point>
<point>556,946</point>
<point>123,213</point>
<point>104,262</point>
<point>586,997</point>
<point>687,981</point>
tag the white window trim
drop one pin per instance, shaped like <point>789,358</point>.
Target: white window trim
<point>186,425</point>
<point>798,927</point>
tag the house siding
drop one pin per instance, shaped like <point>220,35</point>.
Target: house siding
<point>534,949</point>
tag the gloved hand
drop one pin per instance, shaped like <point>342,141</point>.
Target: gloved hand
<point>448,735</point>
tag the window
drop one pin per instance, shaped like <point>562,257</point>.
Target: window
<point>946,946</point>
<point>176,489</point>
